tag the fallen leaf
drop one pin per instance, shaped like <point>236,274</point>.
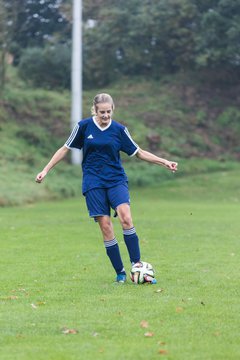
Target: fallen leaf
<point>144,324</point>
<point>33,306</point>
<point>69,331</point>
<point>179,309</point>
<point>149,334</point>
<point>159,290</point>
<point>163,352</point>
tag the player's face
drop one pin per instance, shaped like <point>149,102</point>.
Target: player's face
<point>104,114</point>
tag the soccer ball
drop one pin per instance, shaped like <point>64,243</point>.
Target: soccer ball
<point>142,272</point>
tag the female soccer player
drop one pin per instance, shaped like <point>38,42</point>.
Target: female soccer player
<point>104,182</point>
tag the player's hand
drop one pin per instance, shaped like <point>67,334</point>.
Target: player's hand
<point>172,166</point>
<point>39,178</point>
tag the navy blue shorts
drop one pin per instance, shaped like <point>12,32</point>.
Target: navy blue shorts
<point>100,201</point>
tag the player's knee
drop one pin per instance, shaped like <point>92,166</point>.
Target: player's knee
<point>106,227</point>
<point>125,217</point>
<point>126,221</point>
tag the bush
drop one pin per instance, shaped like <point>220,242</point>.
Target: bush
<point>49,68</point>
<point>230,117</point>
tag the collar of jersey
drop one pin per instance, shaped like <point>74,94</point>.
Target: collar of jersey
<point>100,128</point>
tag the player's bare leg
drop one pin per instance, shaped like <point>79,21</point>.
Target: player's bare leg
<point>106,227</point>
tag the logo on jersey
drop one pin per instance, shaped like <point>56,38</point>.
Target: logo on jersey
<point>90,136</point>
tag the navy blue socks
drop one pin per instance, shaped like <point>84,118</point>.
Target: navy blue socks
<point>113,253</point>
<point>132,243</point>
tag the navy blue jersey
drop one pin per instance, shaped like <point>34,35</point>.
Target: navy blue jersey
<point>101,165</point>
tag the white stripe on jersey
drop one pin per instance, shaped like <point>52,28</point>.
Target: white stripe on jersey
<point>129,136</point>
<point>72,136</point>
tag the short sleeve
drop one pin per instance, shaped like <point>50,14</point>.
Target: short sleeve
<point>128,145</point>
<point>75,140</point>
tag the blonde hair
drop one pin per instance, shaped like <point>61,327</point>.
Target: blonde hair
<point>99,99</point>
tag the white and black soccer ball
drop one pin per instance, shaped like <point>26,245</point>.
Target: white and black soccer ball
<point>142,272</point>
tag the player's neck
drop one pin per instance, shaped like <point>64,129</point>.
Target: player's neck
<point>102,124</point>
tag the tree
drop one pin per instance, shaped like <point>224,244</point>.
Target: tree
<point>156,37</point>
<point>7,18</point>
<point>38,23</point>
<point>148,38</point>
<point>135,37</point>
<point>48,67</point>
<point>2,44</point>
<point>218,34</point>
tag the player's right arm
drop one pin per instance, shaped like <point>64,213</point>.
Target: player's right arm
<point>58,156</point>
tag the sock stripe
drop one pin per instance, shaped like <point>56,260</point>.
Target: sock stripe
<point>129,231</point>
<point>110,243</point>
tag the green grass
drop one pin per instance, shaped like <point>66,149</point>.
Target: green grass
<point>55,275</point>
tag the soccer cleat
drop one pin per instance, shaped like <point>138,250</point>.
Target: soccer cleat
<point>150,279</point>
<point>121,278</point>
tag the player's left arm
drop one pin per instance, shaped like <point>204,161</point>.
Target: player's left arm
<point>149,157</point>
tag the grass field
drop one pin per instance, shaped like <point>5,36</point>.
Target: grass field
<point>58,300</point>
